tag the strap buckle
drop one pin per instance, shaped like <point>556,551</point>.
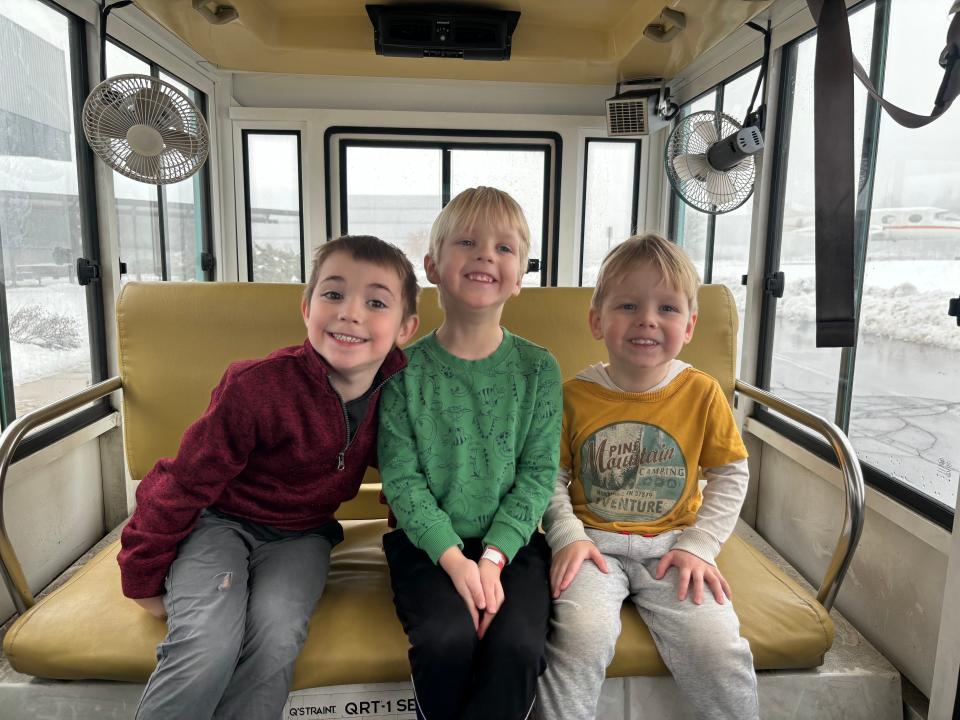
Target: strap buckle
<point>949,56</point>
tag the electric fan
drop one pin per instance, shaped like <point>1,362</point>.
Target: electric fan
<point>143,127</point>
<point>709,161</point>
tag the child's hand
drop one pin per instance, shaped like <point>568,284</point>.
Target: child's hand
<point>696,572</point>
<point>153,605</point>
<point>466,579</point>
<point>567,561</point>
<point>492,593</point>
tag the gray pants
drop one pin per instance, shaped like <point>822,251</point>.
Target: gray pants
<point>701,644</point>
<point>237,614</point>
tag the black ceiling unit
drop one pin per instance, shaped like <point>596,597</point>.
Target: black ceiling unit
<point>468,32</point>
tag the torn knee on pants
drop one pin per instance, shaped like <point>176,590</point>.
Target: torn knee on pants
<point>226,581</point>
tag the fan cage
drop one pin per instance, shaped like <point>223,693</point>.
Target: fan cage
<point>736,183</point>
<point>119,103</point>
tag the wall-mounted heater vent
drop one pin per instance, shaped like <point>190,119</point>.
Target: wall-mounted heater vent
<point>629,113</point>
<point>643,109</point>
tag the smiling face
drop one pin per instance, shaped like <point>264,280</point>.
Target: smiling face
<point>477,269</point>
<point>644,322</point>
<point>355,316</point>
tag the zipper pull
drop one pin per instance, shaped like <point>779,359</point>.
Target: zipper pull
<point>340,463</point>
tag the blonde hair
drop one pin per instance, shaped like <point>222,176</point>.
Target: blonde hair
<point>477,207</point>
<point>667,257</point>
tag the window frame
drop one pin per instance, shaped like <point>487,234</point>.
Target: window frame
<point>247,208</point>
<point>635,208</point>
<point>551,144</point>
<point>90,234</point>
<point>925,505</point>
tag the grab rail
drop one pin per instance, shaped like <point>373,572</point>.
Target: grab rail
<point>10,567</point>
<point>853,489</point>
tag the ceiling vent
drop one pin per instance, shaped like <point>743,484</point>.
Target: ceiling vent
<point>470,33</point>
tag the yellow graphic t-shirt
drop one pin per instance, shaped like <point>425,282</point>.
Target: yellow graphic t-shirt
<point>634,457</point>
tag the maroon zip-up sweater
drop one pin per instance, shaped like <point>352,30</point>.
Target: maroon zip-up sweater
<point>272,448</point>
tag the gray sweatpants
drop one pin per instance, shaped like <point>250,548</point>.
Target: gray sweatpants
<point>701,644</point>
<point>237,614</point>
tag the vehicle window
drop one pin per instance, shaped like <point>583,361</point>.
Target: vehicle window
<point>395,194</point>
<point>731,234</point>
<point>395,189</point>
<point>801,372</point>
<point>273,206</point>
<point>905,411</point>
<point>609,201</point>
<point>720,244</point>
<point>45,348</point>
<point>162,229</point>
<point>518,172</point>
<point>692,228</point>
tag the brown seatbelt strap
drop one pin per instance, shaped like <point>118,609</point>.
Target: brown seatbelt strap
<point>834,196</point>
<point>833,159</point>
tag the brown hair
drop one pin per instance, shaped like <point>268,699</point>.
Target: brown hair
<point>367,248</point>
<point>481,206</point>
<point>667,257</point>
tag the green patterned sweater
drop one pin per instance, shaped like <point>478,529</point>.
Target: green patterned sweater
<point>470,448</point>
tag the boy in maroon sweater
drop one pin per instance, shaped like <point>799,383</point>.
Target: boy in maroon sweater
<point>238,527</point>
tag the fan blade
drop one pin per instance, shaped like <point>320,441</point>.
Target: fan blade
<point>706,131</point>
<point>691,166</point>
<point>719,187</point>
<point>180,140</point>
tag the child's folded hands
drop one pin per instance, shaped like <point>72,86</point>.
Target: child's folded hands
<point>465,576</point>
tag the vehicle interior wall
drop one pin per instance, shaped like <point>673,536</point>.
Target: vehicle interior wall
<point>55,505</point>
<point>894,589</point>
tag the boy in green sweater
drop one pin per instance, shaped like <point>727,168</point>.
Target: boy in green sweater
<point>469,448</point>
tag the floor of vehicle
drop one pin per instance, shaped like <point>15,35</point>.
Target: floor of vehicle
<point>855,682</point>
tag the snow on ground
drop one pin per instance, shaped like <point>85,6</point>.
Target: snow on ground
<point>31,362</point>
<point>903,300</point>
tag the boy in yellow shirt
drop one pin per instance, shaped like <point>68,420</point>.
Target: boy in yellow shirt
<point>635,431</point>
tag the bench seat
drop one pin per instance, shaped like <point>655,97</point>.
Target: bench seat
<point>87,630</point>
<point>175,339</point>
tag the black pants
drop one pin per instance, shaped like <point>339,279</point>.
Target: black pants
<point>456,676</point>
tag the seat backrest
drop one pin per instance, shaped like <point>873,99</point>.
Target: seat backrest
<point>176,340</point>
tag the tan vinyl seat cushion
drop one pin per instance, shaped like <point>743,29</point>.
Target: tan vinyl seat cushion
<point>175,341</point>
<point>87,629</point>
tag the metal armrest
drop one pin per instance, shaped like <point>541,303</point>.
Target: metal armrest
<point>853,490</point>
<point>10,567</point>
